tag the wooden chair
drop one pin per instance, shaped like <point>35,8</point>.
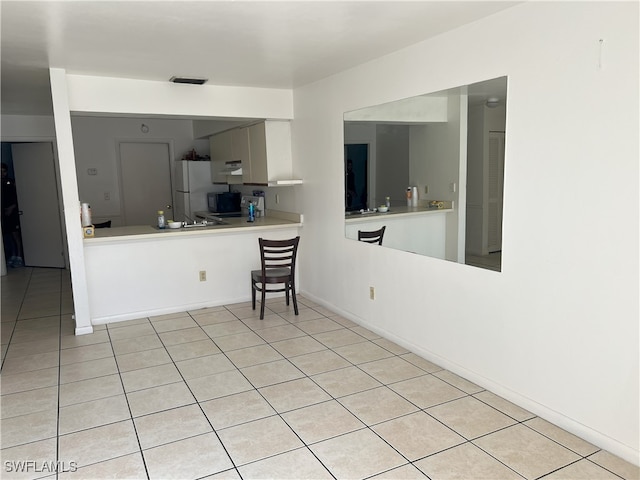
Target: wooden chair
<point>374,236</point>
<point>278,259</point>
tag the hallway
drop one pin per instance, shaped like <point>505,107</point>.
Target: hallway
<point>217,393</point>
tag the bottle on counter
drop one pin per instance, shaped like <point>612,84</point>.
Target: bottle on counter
<point>85,214</point>
<point>252,212</point>
<point>387,202</point>
<point>161,221</point>
<point>412,196</point>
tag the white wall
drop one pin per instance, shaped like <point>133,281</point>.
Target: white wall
<point>557,330</point>
<point>127,96</point>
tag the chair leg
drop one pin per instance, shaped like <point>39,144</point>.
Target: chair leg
<point>262,302</point>
<point>293,294</point>
<point>286,293</point>
<point>253,295</point>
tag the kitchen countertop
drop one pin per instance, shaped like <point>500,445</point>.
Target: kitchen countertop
<point>234,225</point>
<point>395,212</point>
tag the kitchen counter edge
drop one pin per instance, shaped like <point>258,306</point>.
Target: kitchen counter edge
<point>145,232</point>
<point>395,213</point>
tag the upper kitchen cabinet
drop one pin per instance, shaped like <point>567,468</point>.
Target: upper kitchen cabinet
<point>263,150</point>
<point>229,155</point>
<point>270,154</point>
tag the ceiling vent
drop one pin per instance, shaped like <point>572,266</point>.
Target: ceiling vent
<point>189,80</point>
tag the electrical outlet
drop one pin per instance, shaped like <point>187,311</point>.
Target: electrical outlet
<point>107,196</point>
<point>372,293</point>
<point>203,275</point>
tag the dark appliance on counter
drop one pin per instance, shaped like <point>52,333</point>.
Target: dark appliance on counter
<point>225,204</point>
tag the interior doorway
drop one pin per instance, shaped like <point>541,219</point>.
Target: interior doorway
<point>356,167</point>
<point>37,185</point>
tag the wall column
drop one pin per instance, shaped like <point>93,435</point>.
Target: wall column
<point>70,199</point>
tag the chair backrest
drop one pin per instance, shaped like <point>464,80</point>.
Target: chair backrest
<point>278,253</point>
<point>374,236</point>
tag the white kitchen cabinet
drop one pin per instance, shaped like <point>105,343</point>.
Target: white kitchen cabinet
<point>240,145</point>
<point>264,150</point>
<point>226,147</point>
<point>220,146</point>
<point>270,154</point>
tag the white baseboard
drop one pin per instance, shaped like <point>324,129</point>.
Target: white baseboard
<point>84,330</point>
<point>164,311</point>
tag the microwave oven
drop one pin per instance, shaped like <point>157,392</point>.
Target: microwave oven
<point>225,203</point>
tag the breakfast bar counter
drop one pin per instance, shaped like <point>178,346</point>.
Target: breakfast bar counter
<point>141,271</point>
<point>231,225</point>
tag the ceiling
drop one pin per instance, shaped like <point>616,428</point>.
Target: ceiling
<point>274,44</point>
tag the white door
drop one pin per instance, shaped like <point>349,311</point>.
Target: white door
<point>145,175</point>
<point>36,184</point>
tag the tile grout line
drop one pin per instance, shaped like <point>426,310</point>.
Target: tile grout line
<point>15,323</point>
<point>124,392</point>
<point>280,414</point>
<point>197,402</point>
<point>59,378</point>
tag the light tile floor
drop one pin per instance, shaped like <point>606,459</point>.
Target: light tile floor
<point>217,393</point>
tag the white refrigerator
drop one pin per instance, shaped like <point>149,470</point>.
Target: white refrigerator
<point>192,183</point>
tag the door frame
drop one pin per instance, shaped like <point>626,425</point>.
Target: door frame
<point>486,247</point>
<point>167,141</point>
<point>56,163</point>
